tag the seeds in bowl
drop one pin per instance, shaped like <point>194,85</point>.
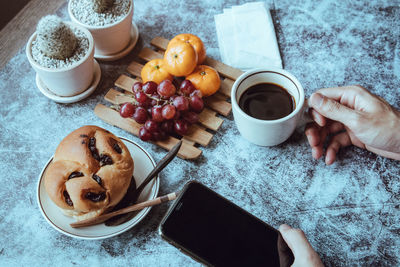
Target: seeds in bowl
<point>99,12</point>
<point>57,44</point>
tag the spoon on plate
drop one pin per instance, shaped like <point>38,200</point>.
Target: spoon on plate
<point>136,207</point>
<point>132,195</point>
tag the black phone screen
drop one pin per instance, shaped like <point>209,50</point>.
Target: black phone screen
<point>219,233</point>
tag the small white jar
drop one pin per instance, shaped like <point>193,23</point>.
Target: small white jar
<point>66,81</point>
<point>111,38</point>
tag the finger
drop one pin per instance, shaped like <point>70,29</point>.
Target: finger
<point>333,110</point>
<point>338,92</point>
<point>316,136</point>
<point>318,118</point>
<point>312,133</point>
<point>353,96</point>
<point>296,240</point>
<point>318,151</point>
<point>338,141</point>
<point>344,94</point>
<point>284,227</point>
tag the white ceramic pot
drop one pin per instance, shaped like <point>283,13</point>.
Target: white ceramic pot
<point>66,81</point>
<point>111,38</point>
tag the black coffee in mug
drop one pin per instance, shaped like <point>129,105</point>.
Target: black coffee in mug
<point>267,101</point>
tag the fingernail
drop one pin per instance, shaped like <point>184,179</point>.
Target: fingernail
<point>314,153</point>
<point>284,227</point>
<point>316,100</point>
<point>329,161</point>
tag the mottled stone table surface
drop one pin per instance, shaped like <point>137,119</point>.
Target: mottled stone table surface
<point>350,211</point>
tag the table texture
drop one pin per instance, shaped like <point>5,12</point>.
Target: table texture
<point>350,211</point>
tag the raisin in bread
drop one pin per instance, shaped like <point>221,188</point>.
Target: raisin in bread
<point>90,172</point>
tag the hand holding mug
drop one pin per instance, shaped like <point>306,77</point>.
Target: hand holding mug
<point>353,116</point>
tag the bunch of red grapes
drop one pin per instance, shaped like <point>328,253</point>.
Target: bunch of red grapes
<point>162,109</point>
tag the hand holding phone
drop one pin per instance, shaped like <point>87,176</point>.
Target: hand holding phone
<point>216,232</point>
<point>305,255</point>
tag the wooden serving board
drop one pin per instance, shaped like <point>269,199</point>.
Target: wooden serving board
<point>200,133</point>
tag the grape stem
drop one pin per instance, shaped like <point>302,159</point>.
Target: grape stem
<point>134,101</point>
<point>116,107</point>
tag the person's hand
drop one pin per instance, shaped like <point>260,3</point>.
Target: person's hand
<point>352,115</point>
<point>304,254</point>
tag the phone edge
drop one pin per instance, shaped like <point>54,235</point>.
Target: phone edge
<point>171,242</point>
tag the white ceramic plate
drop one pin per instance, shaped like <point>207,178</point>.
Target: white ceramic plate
<point>144,164</point>
<point>71,99</point>
<point>126,50</point>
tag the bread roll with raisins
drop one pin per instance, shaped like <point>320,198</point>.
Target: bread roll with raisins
<point>90,172</point>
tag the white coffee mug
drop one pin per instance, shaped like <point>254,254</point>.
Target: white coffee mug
<point>268,132</point>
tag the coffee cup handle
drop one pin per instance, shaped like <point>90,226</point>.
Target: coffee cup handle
<point>305,115</point>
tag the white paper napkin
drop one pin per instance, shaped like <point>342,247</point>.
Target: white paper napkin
<point>246,37</point>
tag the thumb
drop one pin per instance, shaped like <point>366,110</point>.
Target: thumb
<point>296,240</point>
<point>333,110</point>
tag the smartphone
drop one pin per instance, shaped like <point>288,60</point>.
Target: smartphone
<point>216,232</point>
